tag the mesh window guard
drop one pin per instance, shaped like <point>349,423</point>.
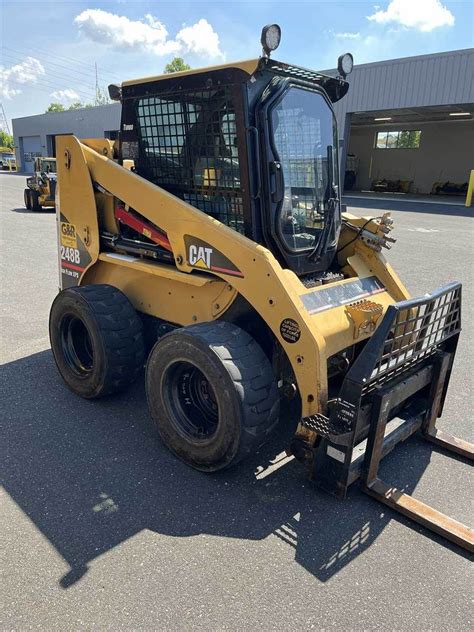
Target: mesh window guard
<point>188,146</point>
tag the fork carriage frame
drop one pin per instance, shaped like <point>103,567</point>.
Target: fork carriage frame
<point>396,386</point>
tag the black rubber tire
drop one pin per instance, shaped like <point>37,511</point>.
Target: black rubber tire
<point>113,341</point>
<point>27,199</point>
<point>243,385</point>
<point>34,201</point>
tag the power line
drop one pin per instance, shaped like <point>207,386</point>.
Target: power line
<point>67,60</point>
<point>47,88</point>
<point>56,87</point>
<point>49,81</point>
<point>52,71</point>
<point>14,59</point>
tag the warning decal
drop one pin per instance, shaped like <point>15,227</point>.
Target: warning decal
<point>290,330</point>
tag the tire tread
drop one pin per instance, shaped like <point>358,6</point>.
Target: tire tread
<point>251,372</point>
<point>121,331</point>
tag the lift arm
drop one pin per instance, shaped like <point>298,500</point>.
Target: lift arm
<point>248,267</point>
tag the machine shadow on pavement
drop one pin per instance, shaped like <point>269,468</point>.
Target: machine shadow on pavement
<point>46,210</point>
<point>90,475</point>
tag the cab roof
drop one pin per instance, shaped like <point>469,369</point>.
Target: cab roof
<point>249,66</point>
<point>336,87</point>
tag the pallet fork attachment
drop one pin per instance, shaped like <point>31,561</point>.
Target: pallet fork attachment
<point>402,372</point>
<point>404,503</point>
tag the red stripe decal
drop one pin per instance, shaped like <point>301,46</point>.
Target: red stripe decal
<point>64,264</point>
<point>225,271</point>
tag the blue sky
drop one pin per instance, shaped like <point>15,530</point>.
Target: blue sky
<point>49,48</point>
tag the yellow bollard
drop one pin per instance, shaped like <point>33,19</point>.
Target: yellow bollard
<point>470,189</point>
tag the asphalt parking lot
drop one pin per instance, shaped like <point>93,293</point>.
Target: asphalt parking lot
<point>102,527</point>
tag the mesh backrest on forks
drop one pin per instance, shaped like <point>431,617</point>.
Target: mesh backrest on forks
<point>417,329</point>
<point>409,333</point>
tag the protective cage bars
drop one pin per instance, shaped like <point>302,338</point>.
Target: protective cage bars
<point>189,146</point>
<point>396,386</point>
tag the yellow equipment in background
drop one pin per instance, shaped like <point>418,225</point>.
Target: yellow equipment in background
<point>41,186</point>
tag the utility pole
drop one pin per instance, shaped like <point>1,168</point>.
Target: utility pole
<point>4,127</point>
<point>96,85</point>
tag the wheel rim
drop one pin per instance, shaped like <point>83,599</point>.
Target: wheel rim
<point>76,345</point>
<point>191,401</point>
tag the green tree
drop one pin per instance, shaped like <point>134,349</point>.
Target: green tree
<point>101,97</point>
<point>6,140</point>
<point>55,107</point>
<point>409,139</point>
<point>177,65</point>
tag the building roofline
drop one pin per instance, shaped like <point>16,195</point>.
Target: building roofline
<point>449,53</point>
<point>371,64</point>
<point>93,107</point>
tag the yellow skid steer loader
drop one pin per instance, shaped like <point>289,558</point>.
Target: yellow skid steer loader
<point>41,186</point>
<point>210,242</point>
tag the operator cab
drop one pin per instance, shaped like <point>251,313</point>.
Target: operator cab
<point>253,144</point>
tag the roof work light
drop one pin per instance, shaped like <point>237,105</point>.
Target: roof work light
<point>270,39</point>
<point>345,64</point>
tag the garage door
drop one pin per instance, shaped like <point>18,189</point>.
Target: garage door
<point>31,149</point>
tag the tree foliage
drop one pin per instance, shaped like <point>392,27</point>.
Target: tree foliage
<point>177,65</point>
<point>55,107</point>
<point>6,140</point>
<point>409,139</point>
<point>101,98</point>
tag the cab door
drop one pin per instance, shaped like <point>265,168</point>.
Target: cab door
<point>301,209</point>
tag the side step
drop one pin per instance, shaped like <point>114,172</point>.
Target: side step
<point>405,504</point>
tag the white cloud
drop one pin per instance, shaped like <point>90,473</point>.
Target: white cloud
<point>27,71</point>
<point>200,38</point>
<point>347,35</point>
<point>148,35</point>
<point>422,15</point>
<point>68,95</point>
